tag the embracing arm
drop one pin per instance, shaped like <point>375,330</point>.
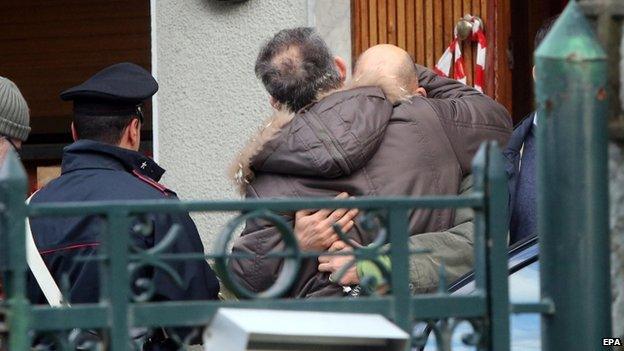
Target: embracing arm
<point>313,231</point>
<point>258,272</point>
<point>467,116</point>
<point>439,87</point>
<point>454,247</point>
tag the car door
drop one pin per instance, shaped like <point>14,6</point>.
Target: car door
<point>524,287</point>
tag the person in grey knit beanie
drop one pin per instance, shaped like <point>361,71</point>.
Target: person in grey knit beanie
<point>14,127</point>
<point>14,118</point>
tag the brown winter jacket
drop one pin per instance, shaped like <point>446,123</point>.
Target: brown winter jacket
<point>357,141</point>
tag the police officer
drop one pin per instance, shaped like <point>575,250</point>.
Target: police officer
<point>104,164</point>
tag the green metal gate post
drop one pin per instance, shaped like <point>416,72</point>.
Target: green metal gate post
<point>496,241</point>
<point>398,228</point>
<point>572,184</point>
<point>117,287</point>
<point>13,184</point>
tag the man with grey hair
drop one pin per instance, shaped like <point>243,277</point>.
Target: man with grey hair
<point>378,135</point>
<point>14,118</point>
<point>296,65</point>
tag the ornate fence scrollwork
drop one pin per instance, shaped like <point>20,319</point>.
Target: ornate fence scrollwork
<point>444,330</point>
<point>371,222</point>
<point>4,329</point>
<point>384,220</point>
<point>291,255</point>
<point>150,258</point>
<point>72,340</point>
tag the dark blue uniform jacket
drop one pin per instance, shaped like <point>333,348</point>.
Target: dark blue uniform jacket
<point>524,202</point>
<point>93,171</point>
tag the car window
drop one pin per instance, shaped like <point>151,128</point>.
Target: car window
<point>524,286</point>
<point>525,328</point>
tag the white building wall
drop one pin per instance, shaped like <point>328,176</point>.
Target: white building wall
<point>210,101</point>
<point>332,18</point>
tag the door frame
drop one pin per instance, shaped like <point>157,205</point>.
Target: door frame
<point>498,71</point>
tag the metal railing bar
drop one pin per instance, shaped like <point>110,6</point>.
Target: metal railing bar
<point>474,200</point>
<point>86,316</point>
<point>546,307</point>
<point>190,313</point>
<point>438,306</point>
<point>241,256</point>
<point>187,313</point>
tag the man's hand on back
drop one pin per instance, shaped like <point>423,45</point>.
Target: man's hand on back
<point>314,231</point>
<point>333,264</point>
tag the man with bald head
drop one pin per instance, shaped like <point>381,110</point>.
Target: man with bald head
<point>375,135</point>
<point>389,61</point>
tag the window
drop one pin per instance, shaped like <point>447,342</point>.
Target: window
<point>524,287</point>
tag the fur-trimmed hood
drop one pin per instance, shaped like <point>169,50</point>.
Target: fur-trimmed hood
<point>330,138</point>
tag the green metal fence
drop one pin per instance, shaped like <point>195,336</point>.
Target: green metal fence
<point>574,121</point>
<point>119,311</point>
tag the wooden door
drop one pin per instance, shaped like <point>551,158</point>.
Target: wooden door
<point>424,28</point>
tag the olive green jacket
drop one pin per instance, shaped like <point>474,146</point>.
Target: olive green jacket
<point>453,247</point>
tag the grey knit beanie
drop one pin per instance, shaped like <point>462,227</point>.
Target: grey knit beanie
<point>14,115</point>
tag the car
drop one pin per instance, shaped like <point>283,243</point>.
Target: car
<point>524,287</point>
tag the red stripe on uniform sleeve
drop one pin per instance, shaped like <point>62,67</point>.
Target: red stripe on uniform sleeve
<point>70,247</point>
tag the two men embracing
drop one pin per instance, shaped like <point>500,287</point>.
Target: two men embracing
<point>394,129</point>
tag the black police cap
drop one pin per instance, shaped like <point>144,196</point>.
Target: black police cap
<point>116,90</point>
